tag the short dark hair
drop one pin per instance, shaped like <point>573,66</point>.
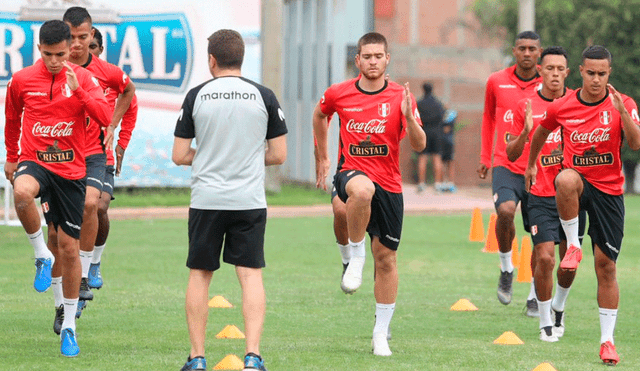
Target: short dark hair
<point>98,36</point>
<point>372,38</point>
<point>529,35</point>
<point>77,15</point>
<point>53,32</point>
<point>554,50</point>
<point>596,52</point>
<point>427,87</point>
<point>227,47</point>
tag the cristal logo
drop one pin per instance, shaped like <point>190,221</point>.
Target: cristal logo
<point>374,126</point>
<point>554,137</point>
<point>596,136</point>
<point>508,116</point>
<point>61,129</point>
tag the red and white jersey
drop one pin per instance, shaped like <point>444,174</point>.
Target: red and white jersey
<point>549,161</point>
<point>503,92</point>
<point>111,78</point>
<point>371,128</point>
<point>127,125</point>
<point>48,119</point>
<point>592,135</point>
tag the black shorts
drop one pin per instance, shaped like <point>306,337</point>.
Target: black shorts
<point>387,210</point>
<point>62,199</point>
<point>433,142</point>
<point>545,221</point>
<point>242,232</point>
<point>96,165</point>
<point>109,181</point>
<point>606,219</point>
<point>508,186</point>
<point>446,147</point>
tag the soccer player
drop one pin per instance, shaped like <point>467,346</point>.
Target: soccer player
<point>230,118</point>
<point>94,278</point>
<point>546,231</point>
<point>46,109</point>
<point>503,91</point>
<point>594,120</point>
<point>374,114</point>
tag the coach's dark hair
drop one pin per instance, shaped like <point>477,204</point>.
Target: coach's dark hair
<point>98,36</point>
<point>428,88</point>
<point>596,52</point>
<point>227,47</point>
<point>77,15</point>
<point>372,38</point>
<point>529,35</point>
<point>54,32</point>
<point>554,50</point>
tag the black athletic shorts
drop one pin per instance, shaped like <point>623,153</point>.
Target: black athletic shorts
<point>606,219</point>
<point>508,186</point>
<point>433,143</point>
<point>446,147</point>
<point>545,221</point>
<point>387,210</point>
<point>62,199</point>
<point>242,232</point>
<point>109,181</point>
<point>96,165</point>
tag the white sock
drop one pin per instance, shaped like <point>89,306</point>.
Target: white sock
<point>544,307</point>
<point>570,228</point>
<point>384,313</point>
<point>40,249</point>
<point>358,248</point>
<point>607,324</point>
<point>532,292</point>
<point>505,262</point>
<point>70,308</point>
<point>85,260</point>
<point>56,287</point>
<point>560,298</point>
<point>97,253</point>
<point>345,252</point>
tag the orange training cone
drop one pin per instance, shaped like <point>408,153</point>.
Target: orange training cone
<point>230,332</point>
<point>491,243</point>
<point>463,305</point>
<point>230,362</point>
<point>524,270</point>
<point>508,338</point>
<point>476,234</point>
<point>515,256</point>
<point>544,367</point>
<point>219,302</point>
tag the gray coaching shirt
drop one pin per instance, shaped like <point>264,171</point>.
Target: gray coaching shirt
<point>230,118</point>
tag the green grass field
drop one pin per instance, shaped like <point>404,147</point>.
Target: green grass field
<point>137,320</point>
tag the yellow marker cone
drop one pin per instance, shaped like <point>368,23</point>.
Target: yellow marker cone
<point>508,338</point>
<point>524,270</point>
<point>476,234</point>
<point>544,367</point>
<point>230,332</point>
<point>219,302</point>
<point>491,242</point>
<point>463,305</point>
<point>230,362</point>
<point>515,256</point>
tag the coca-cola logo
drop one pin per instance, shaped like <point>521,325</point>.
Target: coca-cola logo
<point>596,136</point>
<point>508,116</point>
<point>374,126</point>
<point>554,137</point>
<point>61,129</point>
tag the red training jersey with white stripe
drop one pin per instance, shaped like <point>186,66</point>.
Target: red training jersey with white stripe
<point>592,134</point>
<point>111,78</point>
<point>48,119</point>
<point>127,125</point>
<point>549,162</point>
<point>503,92</point>
<point>371,128</point>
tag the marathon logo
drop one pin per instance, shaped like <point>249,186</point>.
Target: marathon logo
<point>229,95</point>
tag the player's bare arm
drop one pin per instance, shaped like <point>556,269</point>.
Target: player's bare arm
<point>182,153</point>
<point>122,105</point>
<point>417,137</point>
<point>276,152</point>
<point>537,141</point>
<point>320,129</point>
<point>516,145</point>
<point>631,130</point>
